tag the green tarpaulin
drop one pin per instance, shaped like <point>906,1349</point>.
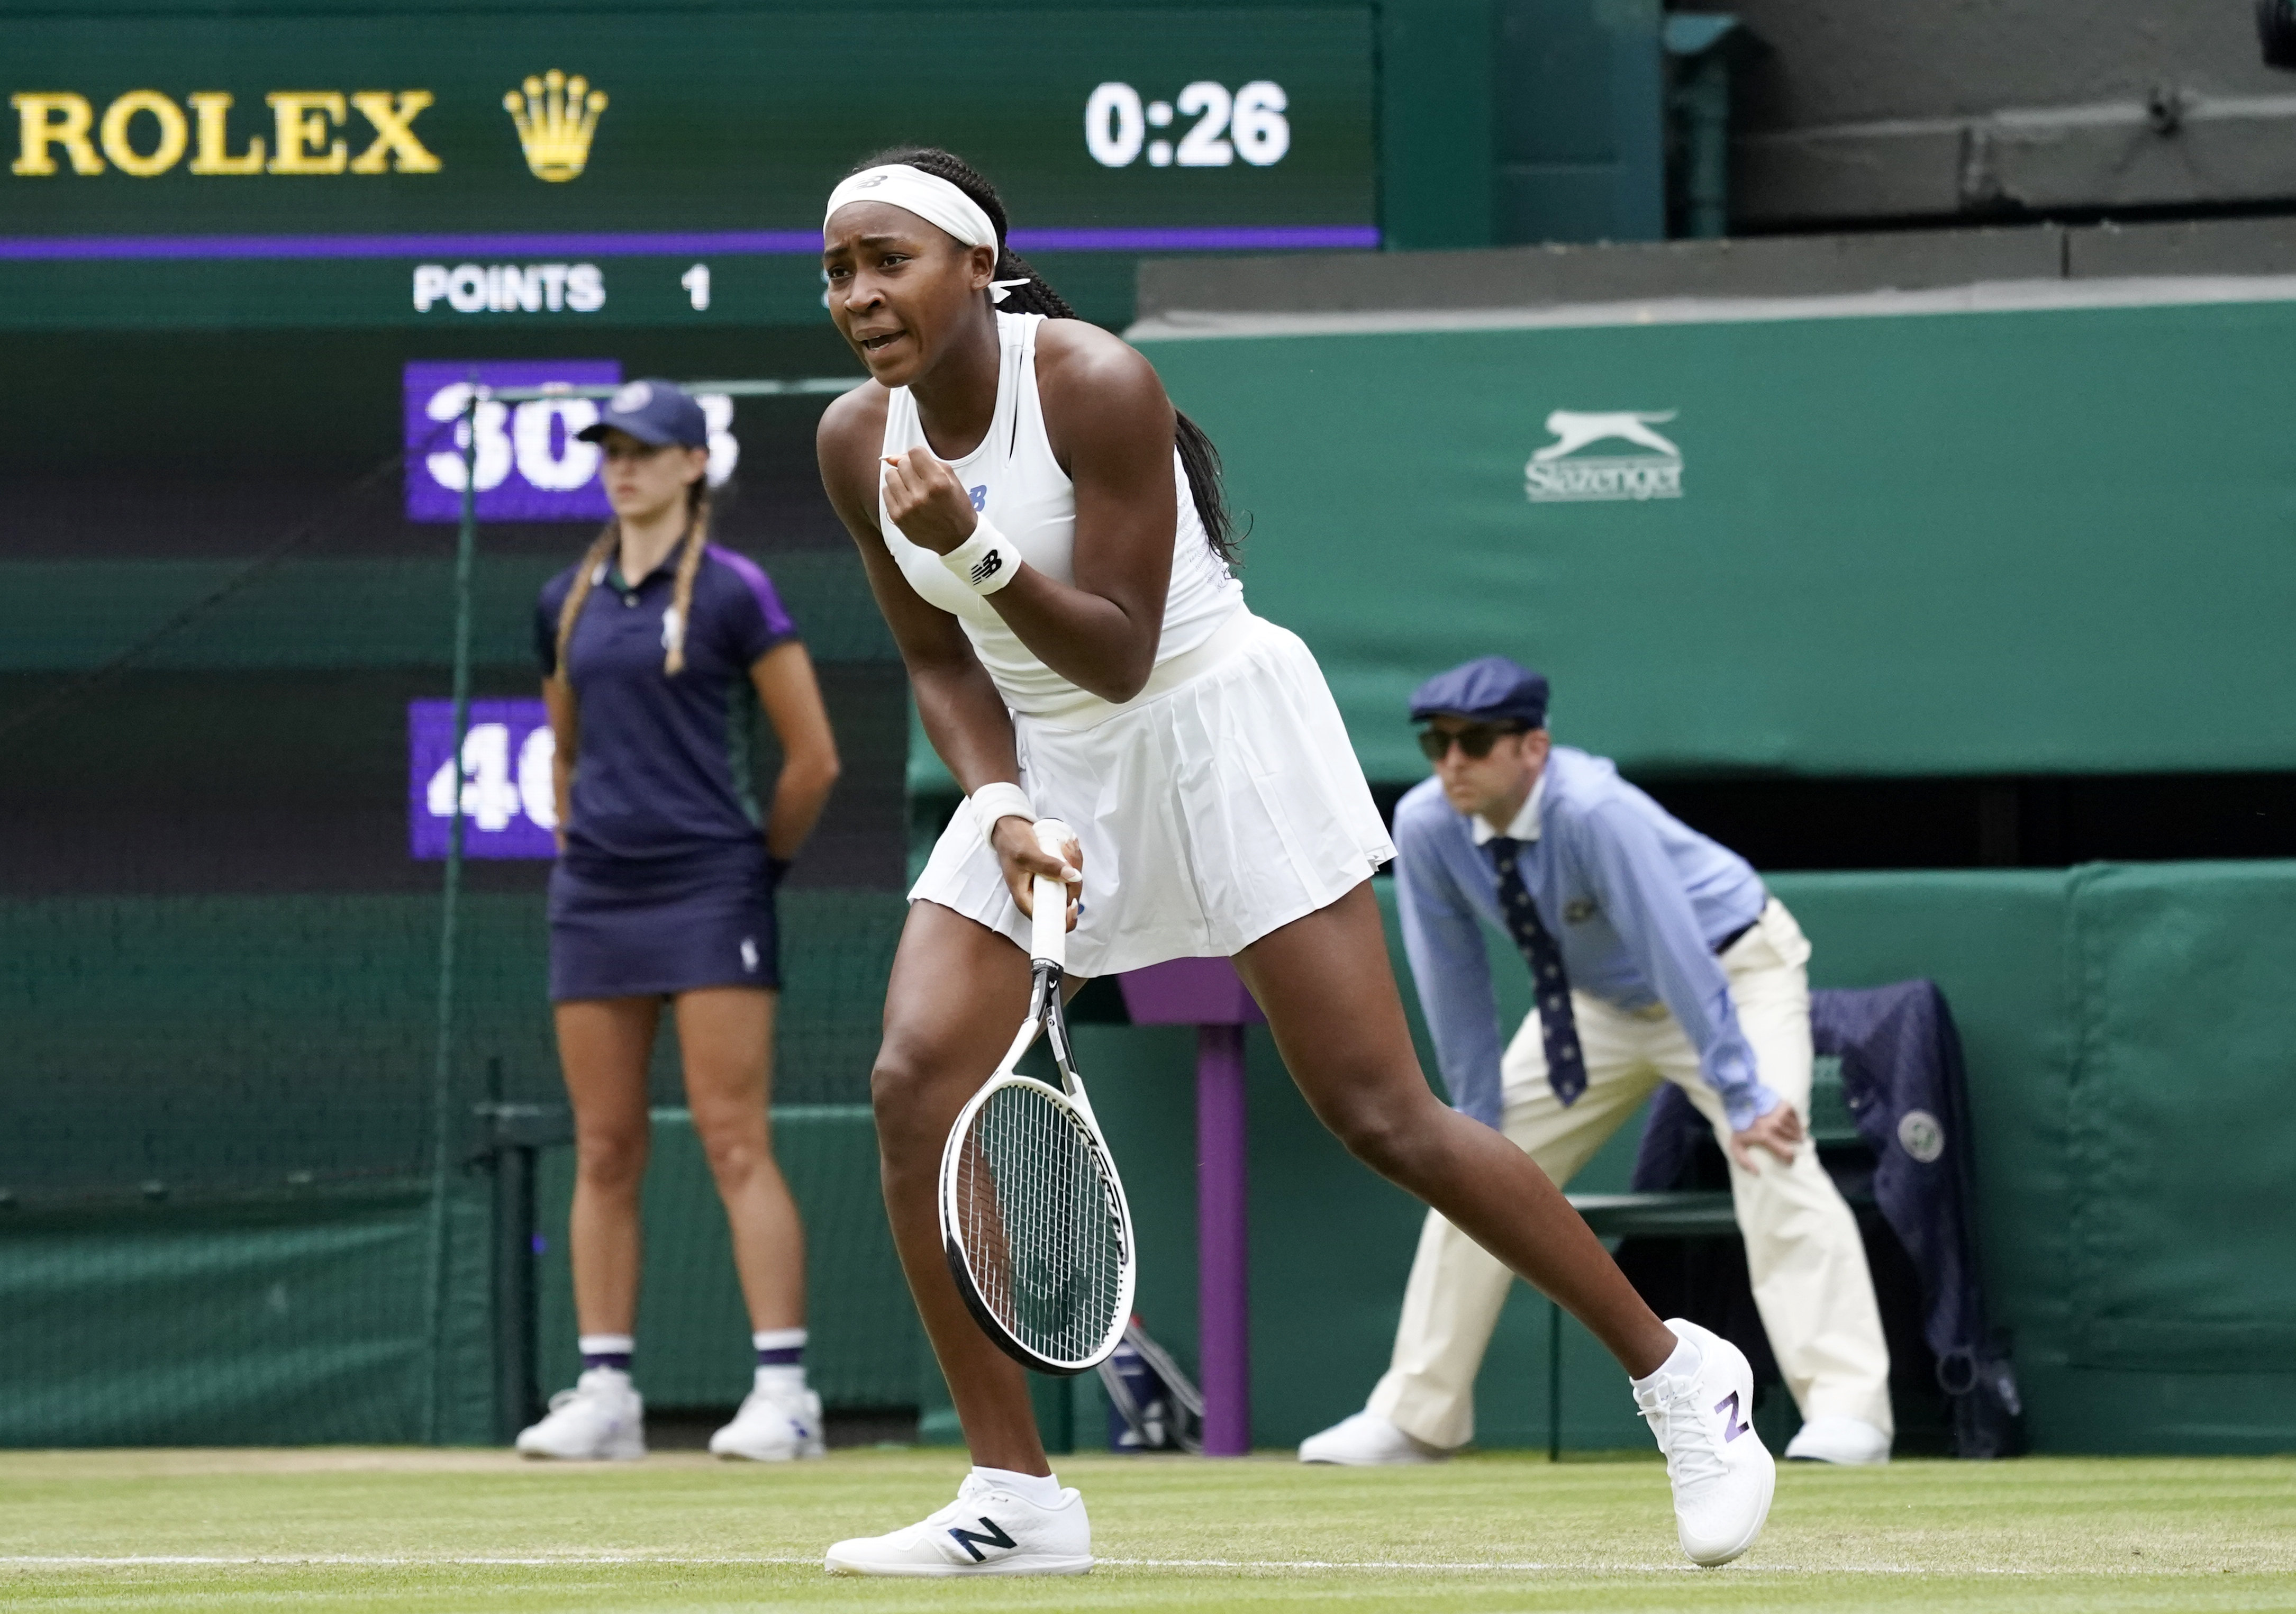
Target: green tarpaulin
<point>1875,535</point>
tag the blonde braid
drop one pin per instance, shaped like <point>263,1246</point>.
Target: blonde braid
<point>697,539</point>
<point>585,575</point>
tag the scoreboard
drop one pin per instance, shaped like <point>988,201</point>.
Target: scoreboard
<point>638,168</point>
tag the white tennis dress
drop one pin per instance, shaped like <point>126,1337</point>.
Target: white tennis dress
<point>1221,802</point>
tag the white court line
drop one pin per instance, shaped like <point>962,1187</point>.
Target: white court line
<point>358,1560</point>
<point>1302,1565</point>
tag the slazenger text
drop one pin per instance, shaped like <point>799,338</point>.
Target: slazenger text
<point>1640,476</point>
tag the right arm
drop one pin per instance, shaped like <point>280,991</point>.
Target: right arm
<point>564,712</point>
<point>791,697</point>
<point>566,729</point>
<point>1452,973</point>
<point>964,715</point>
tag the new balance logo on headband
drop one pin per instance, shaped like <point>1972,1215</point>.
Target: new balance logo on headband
<point>989,565</point>
<point>996,1537</point>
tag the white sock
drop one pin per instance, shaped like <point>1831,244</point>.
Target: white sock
<point>781,1360</point>
<point>1043,1490</point>
<point>616,1348</point>
<point>1686,1362</point>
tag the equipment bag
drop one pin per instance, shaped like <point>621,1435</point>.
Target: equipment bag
<point>1152,1406</point>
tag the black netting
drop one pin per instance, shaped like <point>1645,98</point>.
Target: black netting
<point>224,1123</point>
<point>219,963</point>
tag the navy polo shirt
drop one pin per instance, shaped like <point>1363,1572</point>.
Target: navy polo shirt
<point>661,776</point>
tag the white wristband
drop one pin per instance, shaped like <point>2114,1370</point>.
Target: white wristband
<point>986,562</point>
<point>1001,800</point>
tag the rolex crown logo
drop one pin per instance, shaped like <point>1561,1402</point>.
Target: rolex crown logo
<point>556,117</point>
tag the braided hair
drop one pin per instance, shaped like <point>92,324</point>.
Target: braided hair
<point>600,553</point>
<point>1198,456</point>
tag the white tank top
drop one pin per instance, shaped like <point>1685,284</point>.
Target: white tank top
<point>1016,482</point>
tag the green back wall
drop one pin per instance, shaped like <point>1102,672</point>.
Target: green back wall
<point>2029,541</point>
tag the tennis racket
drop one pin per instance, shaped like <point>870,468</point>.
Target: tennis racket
<point>1032,1215</point>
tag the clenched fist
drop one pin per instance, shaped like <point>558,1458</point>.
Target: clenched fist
<point>927,502</point>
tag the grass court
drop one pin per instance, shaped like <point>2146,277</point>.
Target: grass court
<point>402,1531</point>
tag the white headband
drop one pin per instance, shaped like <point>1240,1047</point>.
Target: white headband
<point>929,196</point>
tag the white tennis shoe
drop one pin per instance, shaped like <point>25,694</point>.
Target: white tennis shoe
<point>602,1419</point>
<point>1851,1442</point>
<point>1367,1440</point>
<point>986,1531</point>
<point>775,1425</point>
<point>1723,1475</point>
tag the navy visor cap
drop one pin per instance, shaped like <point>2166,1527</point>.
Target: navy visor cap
<point>655,412</point>
<point>1492,689</point>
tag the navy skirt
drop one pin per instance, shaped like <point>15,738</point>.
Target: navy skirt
<point>632,933</point>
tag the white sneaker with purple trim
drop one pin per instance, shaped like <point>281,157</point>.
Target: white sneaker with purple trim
<point>1723,1475</point>
<point>602,1419</point>
<point>775,1425</point>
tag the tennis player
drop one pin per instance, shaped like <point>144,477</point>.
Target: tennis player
<point>657,648</point>
<point>1046,538</point>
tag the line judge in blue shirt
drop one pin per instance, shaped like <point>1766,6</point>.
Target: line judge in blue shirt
<point>1655,956</point>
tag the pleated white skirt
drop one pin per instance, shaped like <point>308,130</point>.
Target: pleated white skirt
<point>1210,813</point>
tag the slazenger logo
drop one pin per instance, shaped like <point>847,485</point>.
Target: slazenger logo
<point>1553,475</point>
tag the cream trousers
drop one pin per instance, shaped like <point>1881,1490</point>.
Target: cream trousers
<point>1802,1248</point>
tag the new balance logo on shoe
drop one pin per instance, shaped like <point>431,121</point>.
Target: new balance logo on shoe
<point>996,1537</point>
<point>1731,1426</point>
<point>989,565</point>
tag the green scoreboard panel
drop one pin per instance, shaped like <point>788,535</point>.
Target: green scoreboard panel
<point>445,170</point>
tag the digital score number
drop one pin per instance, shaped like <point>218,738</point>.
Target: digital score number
<point>508,797</point>
<point>1248,123</point>
<point>526,461</point>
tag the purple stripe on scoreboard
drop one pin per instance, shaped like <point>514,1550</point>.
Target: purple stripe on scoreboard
<point>1238,237</point>
<point>630,243</point>
<point>509,809</point>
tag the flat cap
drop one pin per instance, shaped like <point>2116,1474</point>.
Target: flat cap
<point>1490,689</point>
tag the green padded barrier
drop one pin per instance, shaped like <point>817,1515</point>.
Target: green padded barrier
<point>2202,1267</point>
<point>2123,1025</point>
<point>1953,543</point>
<point>267,1323</point>
<point>866,1346</point>
<point>1993,942</point>
<point>225,1044</point>
<point>2183,1237</point>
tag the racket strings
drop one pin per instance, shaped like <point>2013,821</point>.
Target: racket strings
<point>1039,1224</point>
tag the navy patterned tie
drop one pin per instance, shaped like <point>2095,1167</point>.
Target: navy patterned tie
<point>1566,1064</point>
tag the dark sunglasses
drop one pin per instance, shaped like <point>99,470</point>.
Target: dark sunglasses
<point>1476,740</point>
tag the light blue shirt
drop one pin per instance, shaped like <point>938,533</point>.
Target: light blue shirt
<point>1636,899</point>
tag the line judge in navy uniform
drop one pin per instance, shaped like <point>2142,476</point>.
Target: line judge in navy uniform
<point>657,648</point>
<point>1655,956</point>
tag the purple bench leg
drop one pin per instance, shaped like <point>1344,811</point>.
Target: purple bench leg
<point>1223,1299</point>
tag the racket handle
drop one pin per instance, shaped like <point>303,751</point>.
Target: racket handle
<point>1048,933</point>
